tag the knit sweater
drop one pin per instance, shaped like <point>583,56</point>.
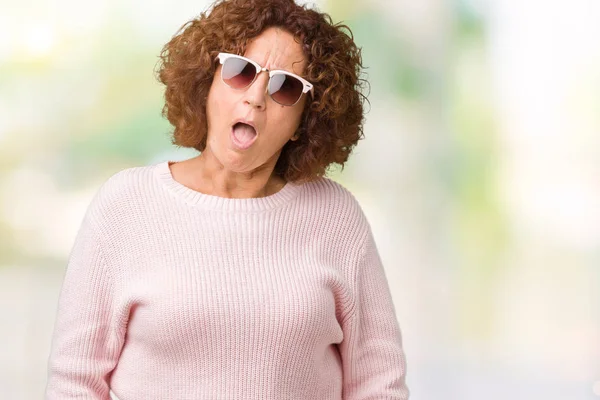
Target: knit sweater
<point>170,293</point>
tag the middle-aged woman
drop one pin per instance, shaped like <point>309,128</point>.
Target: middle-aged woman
<point>243,272</point>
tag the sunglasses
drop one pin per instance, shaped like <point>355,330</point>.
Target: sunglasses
<point>284,87</point>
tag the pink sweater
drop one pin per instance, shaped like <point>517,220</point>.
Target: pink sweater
<point>170,293</point>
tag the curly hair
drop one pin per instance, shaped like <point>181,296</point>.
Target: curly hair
<point>331,122</point>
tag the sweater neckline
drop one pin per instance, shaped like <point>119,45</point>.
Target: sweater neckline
<point>212,202</point>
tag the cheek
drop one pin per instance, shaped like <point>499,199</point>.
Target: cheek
<point>289,119</point>
<point>215,105</point>
<point>295,121</point>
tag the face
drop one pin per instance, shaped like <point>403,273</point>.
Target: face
<point>275,124</point>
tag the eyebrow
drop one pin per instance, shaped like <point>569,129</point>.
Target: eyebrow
<point>277,68</point>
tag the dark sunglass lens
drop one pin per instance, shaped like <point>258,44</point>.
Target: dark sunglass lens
<point>238,73</point>
<point>285,89</point>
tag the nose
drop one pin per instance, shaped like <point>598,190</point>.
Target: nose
<point>255,95</point>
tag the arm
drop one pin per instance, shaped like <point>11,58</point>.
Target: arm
<point>373,360</point>
<point>87,337</point>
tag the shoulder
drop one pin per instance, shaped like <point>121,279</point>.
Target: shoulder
<point>118,192</point>
<point>329,190</point>
<point>126,184</point>
<point>336,204</point>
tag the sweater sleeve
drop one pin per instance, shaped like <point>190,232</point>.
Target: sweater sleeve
<point>373,360</point>
<point>86,342</point>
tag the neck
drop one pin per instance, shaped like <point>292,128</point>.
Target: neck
<point>210,177</point>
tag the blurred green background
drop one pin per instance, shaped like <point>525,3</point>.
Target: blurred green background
<point>480,174</point>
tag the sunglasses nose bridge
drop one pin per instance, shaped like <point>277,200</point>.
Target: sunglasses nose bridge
<point>257,76</point>
<point>257,93</point>
<point>259,71</point>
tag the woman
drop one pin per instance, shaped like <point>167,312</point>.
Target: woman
<point>242,273</point>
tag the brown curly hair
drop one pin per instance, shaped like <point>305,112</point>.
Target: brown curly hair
<point>332,120</point>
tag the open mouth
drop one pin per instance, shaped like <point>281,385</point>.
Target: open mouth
<point>243,135</point>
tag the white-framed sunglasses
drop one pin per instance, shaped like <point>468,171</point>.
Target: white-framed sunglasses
<point>284,87</point>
